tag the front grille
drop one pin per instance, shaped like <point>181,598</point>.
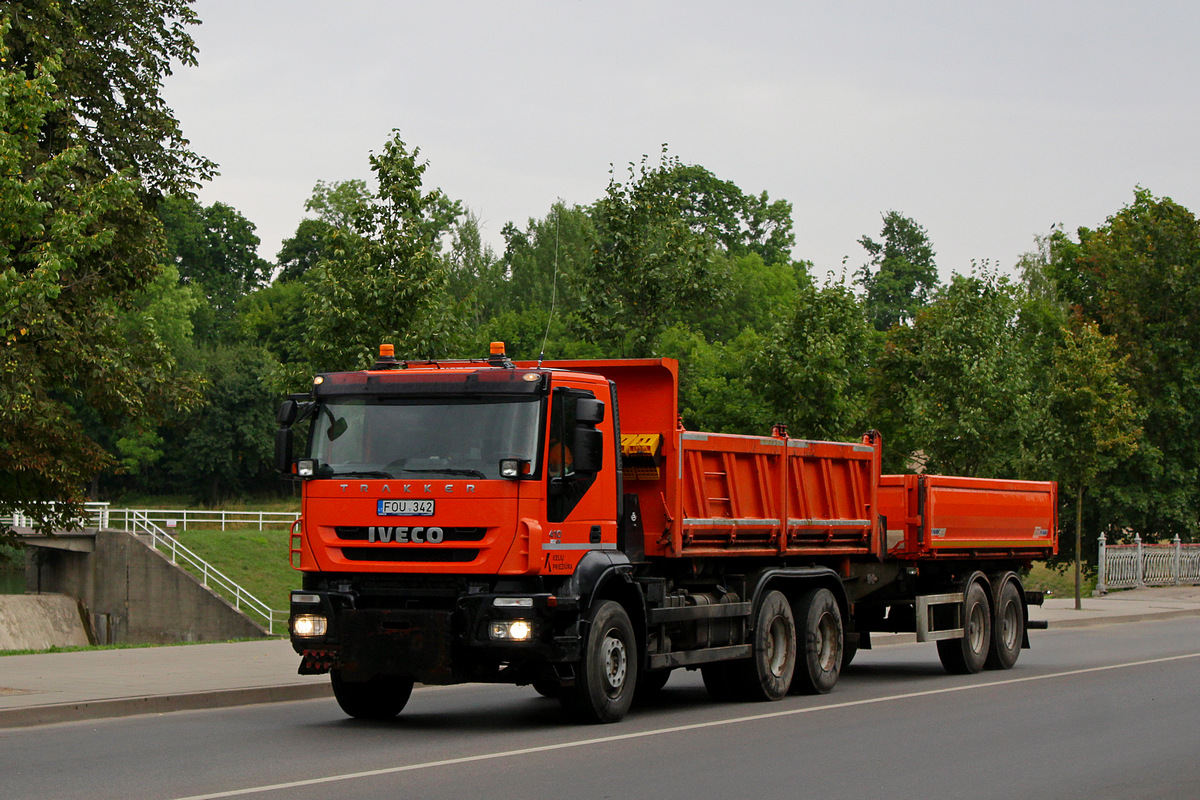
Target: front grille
<point>411,555</point>
<point>349,533</point>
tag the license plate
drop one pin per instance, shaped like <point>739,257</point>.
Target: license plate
<point>406,508</point>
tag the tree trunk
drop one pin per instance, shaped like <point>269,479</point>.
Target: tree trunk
<point>1078,546</point>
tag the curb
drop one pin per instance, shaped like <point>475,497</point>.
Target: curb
<point>1151,616</point>
<point>159,704</point>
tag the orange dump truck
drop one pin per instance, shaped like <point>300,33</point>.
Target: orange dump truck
<point>551,524</point>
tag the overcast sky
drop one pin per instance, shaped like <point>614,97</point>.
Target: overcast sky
<point>984,122</point>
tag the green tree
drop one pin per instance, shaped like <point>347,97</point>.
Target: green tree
<point>1138,277</point>
<point>1093,420</point>
<point>651,267</point>
<point>813,370</point>
<point>391,287</point>
<point>84,148</point>
<point>215,249</point>
<point>956,391</point>
<point>901,275</point>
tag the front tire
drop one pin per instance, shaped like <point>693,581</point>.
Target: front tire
<point>607,676</point>
<point>823,640</point>
<point>967,655</point>
<point>379,698</point>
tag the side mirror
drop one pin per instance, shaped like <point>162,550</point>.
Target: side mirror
<point>589,411</point>
<point>588,451</point>
<point>287,412</point>
<point>283,448</point>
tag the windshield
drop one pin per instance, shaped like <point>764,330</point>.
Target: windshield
<point>393,438</point>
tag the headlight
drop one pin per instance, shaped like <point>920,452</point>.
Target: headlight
<point>306,467</point>
<point>512,630</point>
<point>309,625</point>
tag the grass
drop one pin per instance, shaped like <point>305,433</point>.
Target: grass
<point>1058,584</point>
<point>182,501</point>
<point>257,560</point>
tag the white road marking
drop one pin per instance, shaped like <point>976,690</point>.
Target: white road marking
<point>621,737</point>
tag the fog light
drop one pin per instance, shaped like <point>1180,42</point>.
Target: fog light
<point>510,468</point>
<point>306,468</point>
<point>512,630</point>
<point>309,625</point>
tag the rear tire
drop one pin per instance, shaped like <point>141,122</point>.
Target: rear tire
<point>967,655</point>
<point>1008,629</point>
<point>768,672</point>
<point>379,698</point>
<point>607,675</point>
<point>822,643</point>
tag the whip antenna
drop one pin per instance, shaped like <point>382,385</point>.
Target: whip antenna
<point>553,285</point>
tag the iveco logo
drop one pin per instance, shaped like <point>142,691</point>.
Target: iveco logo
<point>405,535</point>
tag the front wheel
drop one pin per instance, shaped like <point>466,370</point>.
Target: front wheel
<point>606,677</point>
<point>380,697</point>
<point>967,655</point>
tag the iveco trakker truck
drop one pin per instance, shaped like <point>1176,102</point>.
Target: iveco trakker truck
<point>552,524</point>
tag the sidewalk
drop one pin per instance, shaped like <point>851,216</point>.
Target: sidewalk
<point>63,687</point>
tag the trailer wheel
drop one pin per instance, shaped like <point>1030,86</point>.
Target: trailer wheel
<point>381,697</point>
<point>822,643</point>
<point>1008,629</point>
<point>607,676</point>
<point>767,674</point>
<point>968,654</point>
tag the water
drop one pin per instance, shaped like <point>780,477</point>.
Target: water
<point>12,582</point>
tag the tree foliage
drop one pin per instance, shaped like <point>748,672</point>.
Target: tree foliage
<point>78,239</point>
<point>901,276</point>
<point>1138,278</point>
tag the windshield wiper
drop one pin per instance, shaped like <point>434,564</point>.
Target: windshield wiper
<point>359,474</point>
<point>470,473</point>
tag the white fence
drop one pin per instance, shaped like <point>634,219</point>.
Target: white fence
<point>1129,566</point>
<point>179,520</point>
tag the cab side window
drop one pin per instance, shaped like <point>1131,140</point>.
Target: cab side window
<point>566,486</point>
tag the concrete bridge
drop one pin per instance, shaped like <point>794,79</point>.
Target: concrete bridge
<point>126,591</point>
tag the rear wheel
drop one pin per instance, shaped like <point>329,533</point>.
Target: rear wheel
<point>768,673</point>
<point>821,644</point>
<point>967,655</point>
<point>606,677</point>
<point>1008,629</point>
<point>380,697</point>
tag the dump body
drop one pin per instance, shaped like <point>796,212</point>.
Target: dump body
<point>552,523</point>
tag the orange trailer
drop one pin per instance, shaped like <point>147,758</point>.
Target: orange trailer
<point>553,524</point>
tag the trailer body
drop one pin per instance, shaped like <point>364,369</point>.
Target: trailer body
<point>553,524</point>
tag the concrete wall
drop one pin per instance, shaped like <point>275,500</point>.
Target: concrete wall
<point>39,622</point>
<point>133,594</point>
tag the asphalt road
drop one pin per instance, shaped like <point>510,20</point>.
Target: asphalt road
<point>1095,712</point>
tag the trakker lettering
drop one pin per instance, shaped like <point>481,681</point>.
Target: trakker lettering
<point>384,534</point>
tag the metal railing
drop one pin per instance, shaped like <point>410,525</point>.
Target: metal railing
<point>1129,566</point>
<point>180,519</point>
<point>139,523</point>
<point>96,515</point>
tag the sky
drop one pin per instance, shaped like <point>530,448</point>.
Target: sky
<point>987,122</point>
